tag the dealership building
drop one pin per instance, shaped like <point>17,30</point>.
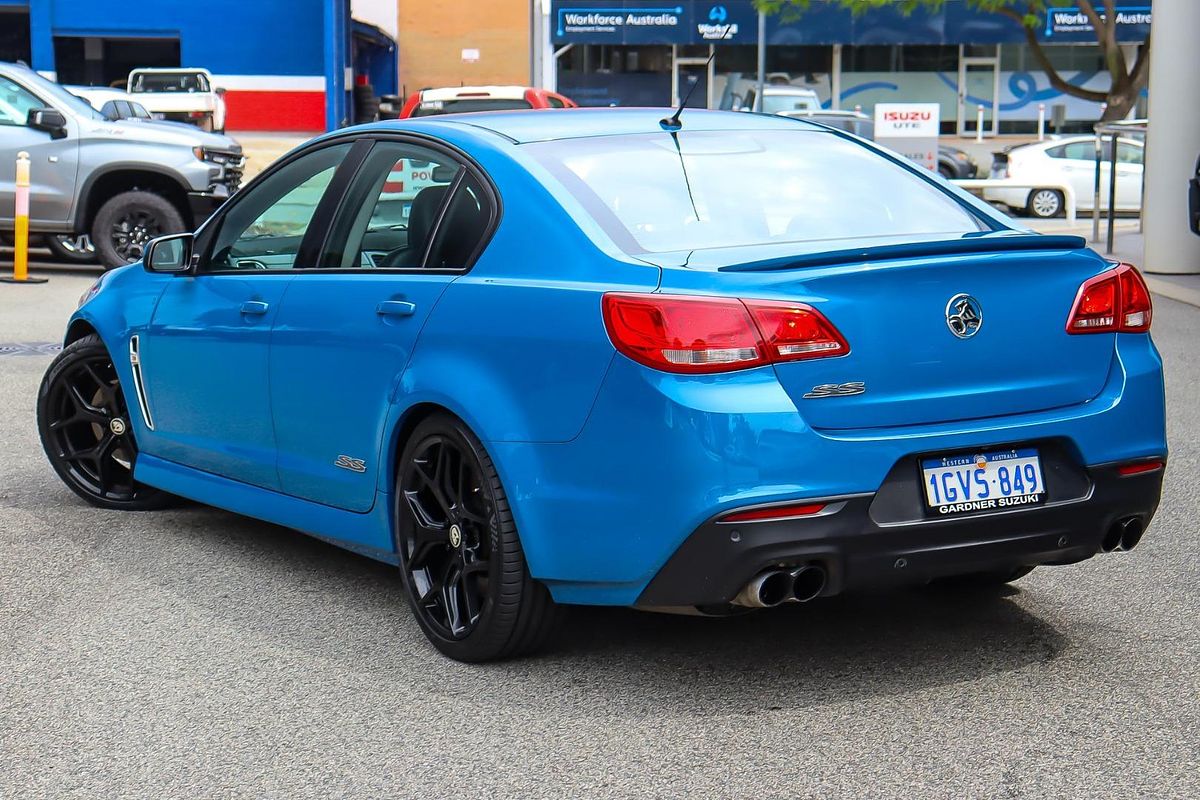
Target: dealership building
<point>641,52</point>
<point>284,64</point>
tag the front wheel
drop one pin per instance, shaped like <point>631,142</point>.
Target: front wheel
<point>84,424</point>
<point>461,561</point>
<point>128,221</point>
<point>1045,203</point>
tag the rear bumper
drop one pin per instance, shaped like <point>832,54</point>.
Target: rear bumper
<point>886,539</point>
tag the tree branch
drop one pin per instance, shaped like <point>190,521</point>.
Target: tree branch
<point>1052,74</point>
<point>1141,68</point>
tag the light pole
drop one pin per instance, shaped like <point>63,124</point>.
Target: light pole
<point>1173,139</point>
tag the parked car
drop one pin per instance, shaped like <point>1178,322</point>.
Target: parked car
<point>749,361</point>
<point>114,104</point>
<point>458,99</point>
<point>953,163</point>
<point>182,94</point>
<point>1068,161</point>
<point>120,183</point>
<point>780,99</point>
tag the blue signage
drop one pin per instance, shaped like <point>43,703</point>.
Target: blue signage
<point>736,22</point>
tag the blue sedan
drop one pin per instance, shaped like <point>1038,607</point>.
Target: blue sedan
<point>713,363</point>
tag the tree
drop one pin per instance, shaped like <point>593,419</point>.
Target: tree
<point>1127,80</point>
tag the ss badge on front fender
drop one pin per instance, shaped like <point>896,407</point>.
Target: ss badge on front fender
<point>836,390</point>
<point>352,464</point>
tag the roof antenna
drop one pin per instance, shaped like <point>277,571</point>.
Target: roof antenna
<point>672,122</point>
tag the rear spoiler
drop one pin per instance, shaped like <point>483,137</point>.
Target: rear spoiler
<point>971,244</point>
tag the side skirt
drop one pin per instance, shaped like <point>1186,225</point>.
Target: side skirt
<point>368,534</point>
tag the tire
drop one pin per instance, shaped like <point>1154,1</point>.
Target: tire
<point>1045,203</point>
<point>461,561</point>
<point>947,172</point>
<point>366,104</point>
<point>76,249</point>
<point>127,221</point>
<point>80,405</point>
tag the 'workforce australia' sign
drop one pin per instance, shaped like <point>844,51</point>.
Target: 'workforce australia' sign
<point>637,22</point>
<point>1073,20</point>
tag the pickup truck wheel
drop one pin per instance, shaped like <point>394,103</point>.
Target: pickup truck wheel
<point>128,221</point>
<point>74,247</point>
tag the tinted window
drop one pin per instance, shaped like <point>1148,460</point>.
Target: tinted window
<point>1080,151</point>
<point>387,217</point>
<point>555,102</point>
<point>15,103</point>
<point>737,188</point>
<point>169,82</point>
<point>432,107</point>
<point>462,229</point>
<point>266,225</point>
<point>775,103</point>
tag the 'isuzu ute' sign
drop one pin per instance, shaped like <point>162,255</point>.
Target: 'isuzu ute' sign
<point>910,129</point>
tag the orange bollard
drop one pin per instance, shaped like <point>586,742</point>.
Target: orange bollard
<point>21,224</point>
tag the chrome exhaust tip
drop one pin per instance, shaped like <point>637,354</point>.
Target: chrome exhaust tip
<point>767,590</point>
<point>1112,538</point>
<point>1131,532</point>
<point>808,582</point>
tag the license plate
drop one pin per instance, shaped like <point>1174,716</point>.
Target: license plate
<point>989,481</point>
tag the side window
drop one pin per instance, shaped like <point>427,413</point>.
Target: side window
<point>265,226</point>
<point>462,230</point>
<point>1129,153</point>
<point>389,214</point>
<point>16,103</point>
<point>555,102</point>
<point>1078,151</point>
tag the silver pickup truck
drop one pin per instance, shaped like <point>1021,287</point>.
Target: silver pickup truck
<point>121,182</point>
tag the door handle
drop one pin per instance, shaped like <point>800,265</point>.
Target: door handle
<point>255,307</point>
<point>396,308</point>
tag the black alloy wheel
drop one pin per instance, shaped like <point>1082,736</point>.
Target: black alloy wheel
<point>127,222</point>
<point>85,428</point>
<point>460,558</point>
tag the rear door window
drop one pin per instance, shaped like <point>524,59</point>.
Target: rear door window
<point>468,104</point>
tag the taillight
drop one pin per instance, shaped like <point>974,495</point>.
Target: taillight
<point>697,335</point>
<point>1116,301</point>
<point>789,511</point>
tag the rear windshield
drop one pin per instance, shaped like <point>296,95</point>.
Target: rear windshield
<point>741,188</point>
<point>431,107</point>
<point>184,82</point>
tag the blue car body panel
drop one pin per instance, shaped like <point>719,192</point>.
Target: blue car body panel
<point>609,465</point>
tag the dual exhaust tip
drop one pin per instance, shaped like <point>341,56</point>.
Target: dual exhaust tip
<point>775,586</point>
<point>1123,535</point>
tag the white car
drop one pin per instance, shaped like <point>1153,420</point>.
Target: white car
<point>1068,161</point>
<point>782,99</point>
<point>183,94</point>
<point>123,106</point>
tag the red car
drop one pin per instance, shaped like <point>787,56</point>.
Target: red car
<point>458,99</point>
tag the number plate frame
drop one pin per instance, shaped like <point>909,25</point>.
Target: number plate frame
<point>961,489</point>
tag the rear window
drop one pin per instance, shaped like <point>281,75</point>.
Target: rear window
<point>465,104</point>
<point>741,188</point>
<point>184,82</point>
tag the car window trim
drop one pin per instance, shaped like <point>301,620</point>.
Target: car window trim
<point>213,225</point>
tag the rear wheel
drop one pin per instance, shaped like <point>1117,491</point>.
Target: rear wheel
<point>1045,203</point>
<point>84,424</point>
<point>128,221</point>
<point>460,558</point>
<point>74,247</point>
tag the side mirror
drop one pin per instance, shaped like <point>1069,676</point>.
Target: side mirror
<point>50,120</point>
<point>169,254</point>
<point>219,91</point>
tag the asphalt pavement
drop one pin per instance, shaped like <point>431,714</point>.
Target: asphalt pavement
<point>195,653</point>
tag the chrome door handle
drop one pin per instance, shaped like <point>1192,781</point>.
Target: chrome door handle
<point>255,307</point>
<point>396,308</point>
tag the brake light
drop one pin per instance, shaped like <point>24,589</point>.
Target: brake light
<point>704,335</point>
<point>1116,301</point>
<point>774,512</point>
